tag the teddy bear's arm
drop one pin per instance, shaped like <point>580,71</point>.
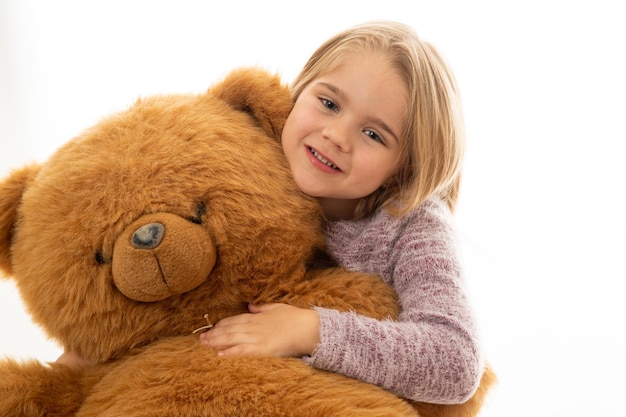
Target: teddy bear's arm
<point>339,289</point>
<point>32,389</point>
<point>179,377</point>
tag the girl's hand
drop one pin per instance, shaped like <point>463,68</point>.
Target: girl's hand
<point>278,330</point>
<point>74,360</point>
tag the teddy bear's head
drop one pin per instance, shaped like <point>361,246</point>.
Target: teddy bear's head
<point>177,207</point>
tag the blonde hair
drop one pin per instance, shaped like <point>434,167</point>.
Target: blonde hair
<point>433,136</point>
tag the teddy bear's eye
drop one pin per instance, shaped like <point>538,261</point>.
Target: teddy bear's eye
<point>100,258</point>
<point>200,210</point>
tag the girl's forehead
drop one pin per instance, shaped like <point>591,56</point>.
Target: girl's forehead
<point>356,61</point>
<point>361,56</point>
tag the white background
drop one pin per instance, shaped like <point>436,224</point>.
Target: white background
<point>542,210</point>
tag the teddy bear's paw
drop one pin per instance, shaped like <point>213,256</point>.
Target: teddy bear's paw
<point>32,389</point>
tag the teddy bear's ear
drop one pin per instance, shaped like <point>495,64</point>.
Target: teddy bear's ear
<point>11,190</point>
<point>258,93</point>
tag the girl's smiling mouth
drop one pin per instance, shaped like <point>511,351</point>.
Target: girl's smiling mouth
<point>323,160</point>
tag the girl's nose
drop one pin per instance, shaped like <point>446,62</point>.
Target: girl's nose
<point>338,133</point>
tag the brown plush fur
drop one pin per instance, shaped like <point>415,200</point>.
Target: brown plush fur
<point>237,230</point>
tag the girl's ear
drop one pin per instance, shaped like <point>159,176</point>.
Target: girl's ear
<point>12,189</point>
<point>258,93</point>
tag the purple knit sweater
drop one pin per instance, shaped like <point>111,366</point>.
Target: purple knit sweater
<point>431,353</point>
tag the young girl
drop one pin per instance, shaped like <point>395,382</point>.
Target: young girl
<point>376,134</point>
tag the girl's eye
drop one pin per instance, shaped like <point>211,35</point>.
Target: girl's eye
<point>329,104</point>
<point>374,136</point>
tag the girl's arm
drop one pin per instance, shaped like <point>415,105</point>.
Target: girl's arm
<point>431,354</point>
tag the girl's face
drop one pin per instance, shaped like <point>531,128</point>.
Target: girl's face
<point>342,138</point>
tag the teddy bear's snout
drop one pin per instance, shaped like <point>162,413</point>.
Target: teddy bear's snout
<point>161,255</point>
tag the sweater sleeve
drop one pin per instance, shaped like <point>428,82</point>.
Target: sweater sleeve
<point>431,353</point>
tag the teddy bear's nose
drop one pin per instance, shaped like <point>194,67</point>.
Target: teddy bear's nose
<point>148,236</point>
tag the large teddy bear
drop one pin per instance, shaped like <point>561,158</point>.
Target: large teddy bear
<point>175,212</point>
